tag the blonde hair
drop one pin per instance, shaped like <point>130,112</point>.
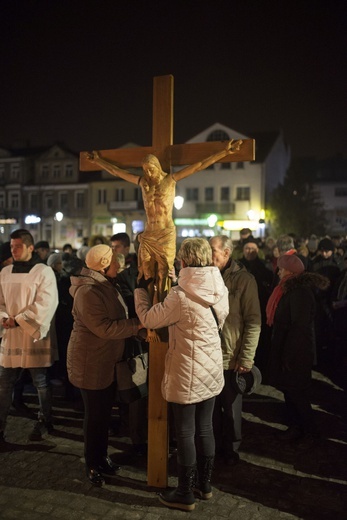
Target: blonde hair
<point>195,252</point>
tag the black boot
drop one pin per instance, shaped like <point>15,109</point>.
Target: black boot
<point>182,497</point>
<point>202,485</point>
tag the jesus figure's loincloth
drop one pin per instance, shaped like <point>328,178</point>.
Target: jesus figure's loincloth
<point>156,247</point>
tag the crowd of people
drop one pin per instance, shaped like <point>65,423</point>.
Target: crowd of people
<point>237,313</point>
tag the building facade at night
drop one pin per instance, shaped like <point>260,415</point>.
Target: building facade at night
<point>44,191</point>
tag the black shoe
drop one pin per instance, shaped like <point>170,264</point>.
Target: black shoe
<point>39,428</point>
<point>293,433</point>
<point>95,477</point>
<point>231,459</point>
<point>49,427</point>
<point>36,434</point>
<point>178,500</point>
<point>108,467</point>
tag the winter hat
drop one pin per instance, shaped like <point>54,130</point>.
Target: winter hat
<point>326,245</point>
<point>43,244</point>
<point>312,244</point>
<point>99,257</point>
<point>82,252</point>
<point>53,259</point>
<point>291,263</point>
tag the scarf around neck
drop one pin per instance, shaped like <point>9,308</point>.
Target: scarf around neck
<point>274,299</point>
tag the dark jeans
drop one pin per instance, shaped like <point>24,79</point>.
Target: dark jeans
<point>193,422</point>
<point>8,378</point>
<point>97,415</point>
<point>227,418</point>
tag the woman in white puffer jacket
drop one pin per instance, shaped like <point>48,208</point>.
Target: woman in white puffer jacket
<point>194,364</point>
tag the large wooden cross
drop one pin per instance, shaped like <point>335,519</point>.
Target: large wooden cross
<point>168,155</point>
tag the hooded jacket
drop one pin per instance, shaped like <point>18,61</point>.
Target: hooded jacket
<point>241,329</point>
<point>193,364</point>
<point>99,330</point>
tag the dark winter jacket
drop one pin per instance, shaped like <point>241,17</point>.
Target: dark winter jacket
<point>292,342</point>
<point>100,328</point>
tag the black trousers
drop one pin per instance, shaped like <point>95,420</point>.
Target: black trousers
<point>227,418</point>
<point>193,423</point>
<point>97,415</point>
<point>299,409</point>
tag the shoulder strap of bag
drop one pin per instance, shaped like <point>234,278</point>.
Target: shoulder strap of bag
<point>215,317</point>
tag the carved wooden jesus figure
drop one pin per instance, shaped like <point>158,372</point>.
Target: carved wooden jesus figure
<point>157,249</point>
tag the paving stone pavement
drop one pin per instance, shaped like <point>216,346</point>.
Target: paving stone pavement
<point>303,480</point>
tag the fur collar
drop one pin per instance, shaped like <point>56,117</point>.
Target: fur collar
<point>305,279</point>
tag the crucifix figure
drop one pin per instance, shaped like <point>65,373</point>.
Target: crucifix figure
<point>160,157</point>
<point>157,249</point>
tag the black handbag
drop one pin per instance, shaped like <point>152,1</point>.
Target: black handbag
<point>132,372</point>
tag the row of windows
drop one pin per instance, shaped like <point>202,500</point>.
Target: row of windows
<point>119,195</point>
<point>56,171</point>
<point>192,195</point>
<point>14,172</point>
<point>242,193</point>
<point>48,201</point>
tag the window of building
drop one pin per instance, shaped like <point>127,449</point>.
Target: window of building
<point>14,200</point>
<point>33,201</point>
<point>14,171</point>
<point>209,194</point>
<point>2,172</point>
<point>63,201</point>
<point>192,194</point>
<point>69,170</point>
<point>341,191</point>
<point>225,193</point>
<point>240,165</point>
<point>243,193</point>
<point>218,135</point>
<point>119,194</point>
<point>45,171</point>
<point>48,201</point>
<point>79,199</point>
<point>2,200</point>
<point>102,196</point>
<point>137,194</point>
<point>56,171</point>
<point>225,166</point>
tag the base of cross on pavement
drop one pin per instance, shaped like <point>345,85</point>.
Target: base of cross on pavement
<point>303,478</point>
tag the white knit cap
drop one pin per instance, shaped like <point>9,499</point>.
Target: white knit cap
<point>54,258</point>
<point>99,257</point>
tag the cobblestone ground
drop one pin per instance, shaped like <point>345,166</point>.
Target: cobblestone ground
<point>305,480</point>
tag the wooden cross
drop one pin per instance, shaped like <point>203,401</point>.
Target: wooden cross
<point>168,155</point>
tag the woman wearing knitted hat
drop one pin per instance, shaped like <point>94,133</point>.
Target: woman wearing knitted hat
<point>96,344</point>
<point>290,311</point>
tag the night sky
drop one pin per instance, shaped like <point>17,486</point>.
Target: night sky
<point>81,72</point>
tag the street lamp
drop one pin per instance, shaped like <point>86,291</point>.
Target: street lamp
<point>58,217</point>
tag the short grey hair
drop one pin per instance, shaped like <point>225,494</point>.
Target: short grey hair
<point>225,242</point>
<point>195,252</point>
<point>285,243</point>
